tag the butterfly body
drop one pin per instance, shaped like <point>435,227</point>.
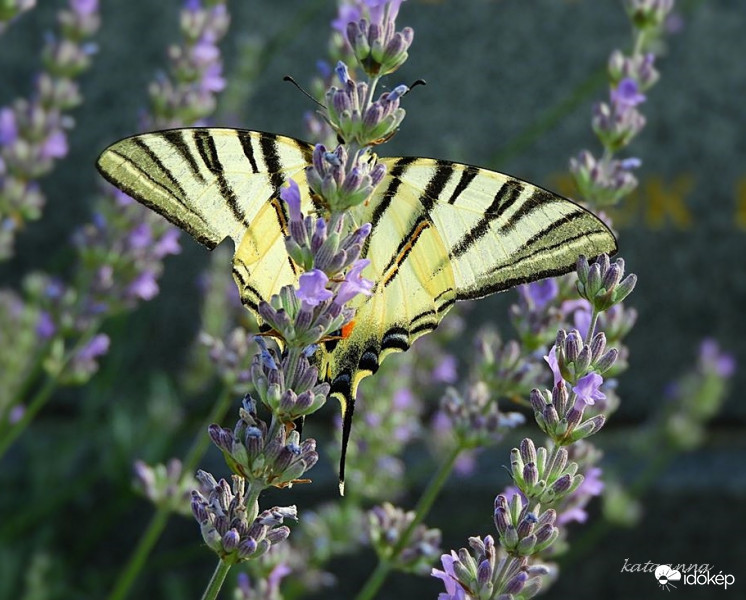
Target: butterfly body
<point>441,231</point>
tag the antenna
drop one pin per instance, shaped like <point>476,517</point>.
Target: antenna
<point>415,84</point>
<point>289,79</point>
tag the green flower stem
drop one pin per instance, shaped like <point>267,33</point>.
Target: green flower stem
<point>382,570</point>
<point>294,354</point>
<point>216,581</point>
<point>158,522</point>
<point>592,327</point>
<point>36,404</point>
<point>33,375</point>
<point>45,392</point>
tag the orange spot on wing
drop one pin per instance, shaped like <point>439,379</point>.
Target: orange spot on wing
<point>347,329</point>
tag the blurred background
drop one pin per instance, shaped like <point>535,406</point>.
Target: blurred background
<point>510,86</point>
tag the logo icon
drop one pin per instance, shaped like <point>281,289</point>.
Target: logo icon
<point>666,575</point>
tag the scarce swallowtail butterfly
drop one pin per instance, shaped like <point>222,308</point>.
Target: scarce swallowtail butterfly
<point>441,232</point>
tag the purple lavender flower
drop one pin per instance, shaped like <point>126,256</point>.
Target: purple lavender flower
<point>377,9</point>
<point>580,310</point>
<point>454,589</point>
<point>312,288</point>
<point>387,524</point>
<point>354,283</point>
<point>32,130</point>
<point>551,360</point>
<point>588,390</point>
<point>347,13</point>
<point>276,576</point>
<point>627,94</point>
<point>291,195</point>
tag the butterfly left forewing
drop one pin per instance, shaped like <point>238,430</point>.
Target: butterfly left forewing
<point>211,182</point>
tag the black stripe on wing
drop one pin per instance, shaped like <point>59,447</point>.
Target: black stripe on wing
<point>396,338</point>
<point>504,198</point>
<point>175,137</point>
<point>246,138</point>
<point>467,176</point>
<point>209,153</point>
<point>396,172</point>
<point>168,174</point>
<point>268,145</point>
<point>504,284</point>
<point>443,172</point>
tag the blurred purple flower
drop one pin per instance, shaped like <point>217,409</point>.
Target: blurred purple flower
<point>630,163</point>
<point>141,236</point>
<point>324,69</point>
<point>55,146</point>
<point>627,94</point>
<point>276,575</point>
<point>674,23</point>
<point>16,414</point>
<point>212,79</point>
<point>45,327</point>
<point>542,292</point>
<point>441,423</point>
<point>97,346</point>
<point>144,286</point>
<point>591,486</point>
<point>84,7</point>
<point>54,289</point>
<point>204,53</point>
<point>312,287</point>
<point>581,314</point>
<point>466,463</point>
<point>402,399</point>
<point>712,358</point>
<point>169,244</point>
<point>8,127</point>
<point>445,371</point>
<point>348,13</point>
<point>377,8</point>
<point>588,390</point>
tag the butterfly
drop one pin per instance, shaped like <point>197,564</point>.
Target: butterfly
<point>441,232</point>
